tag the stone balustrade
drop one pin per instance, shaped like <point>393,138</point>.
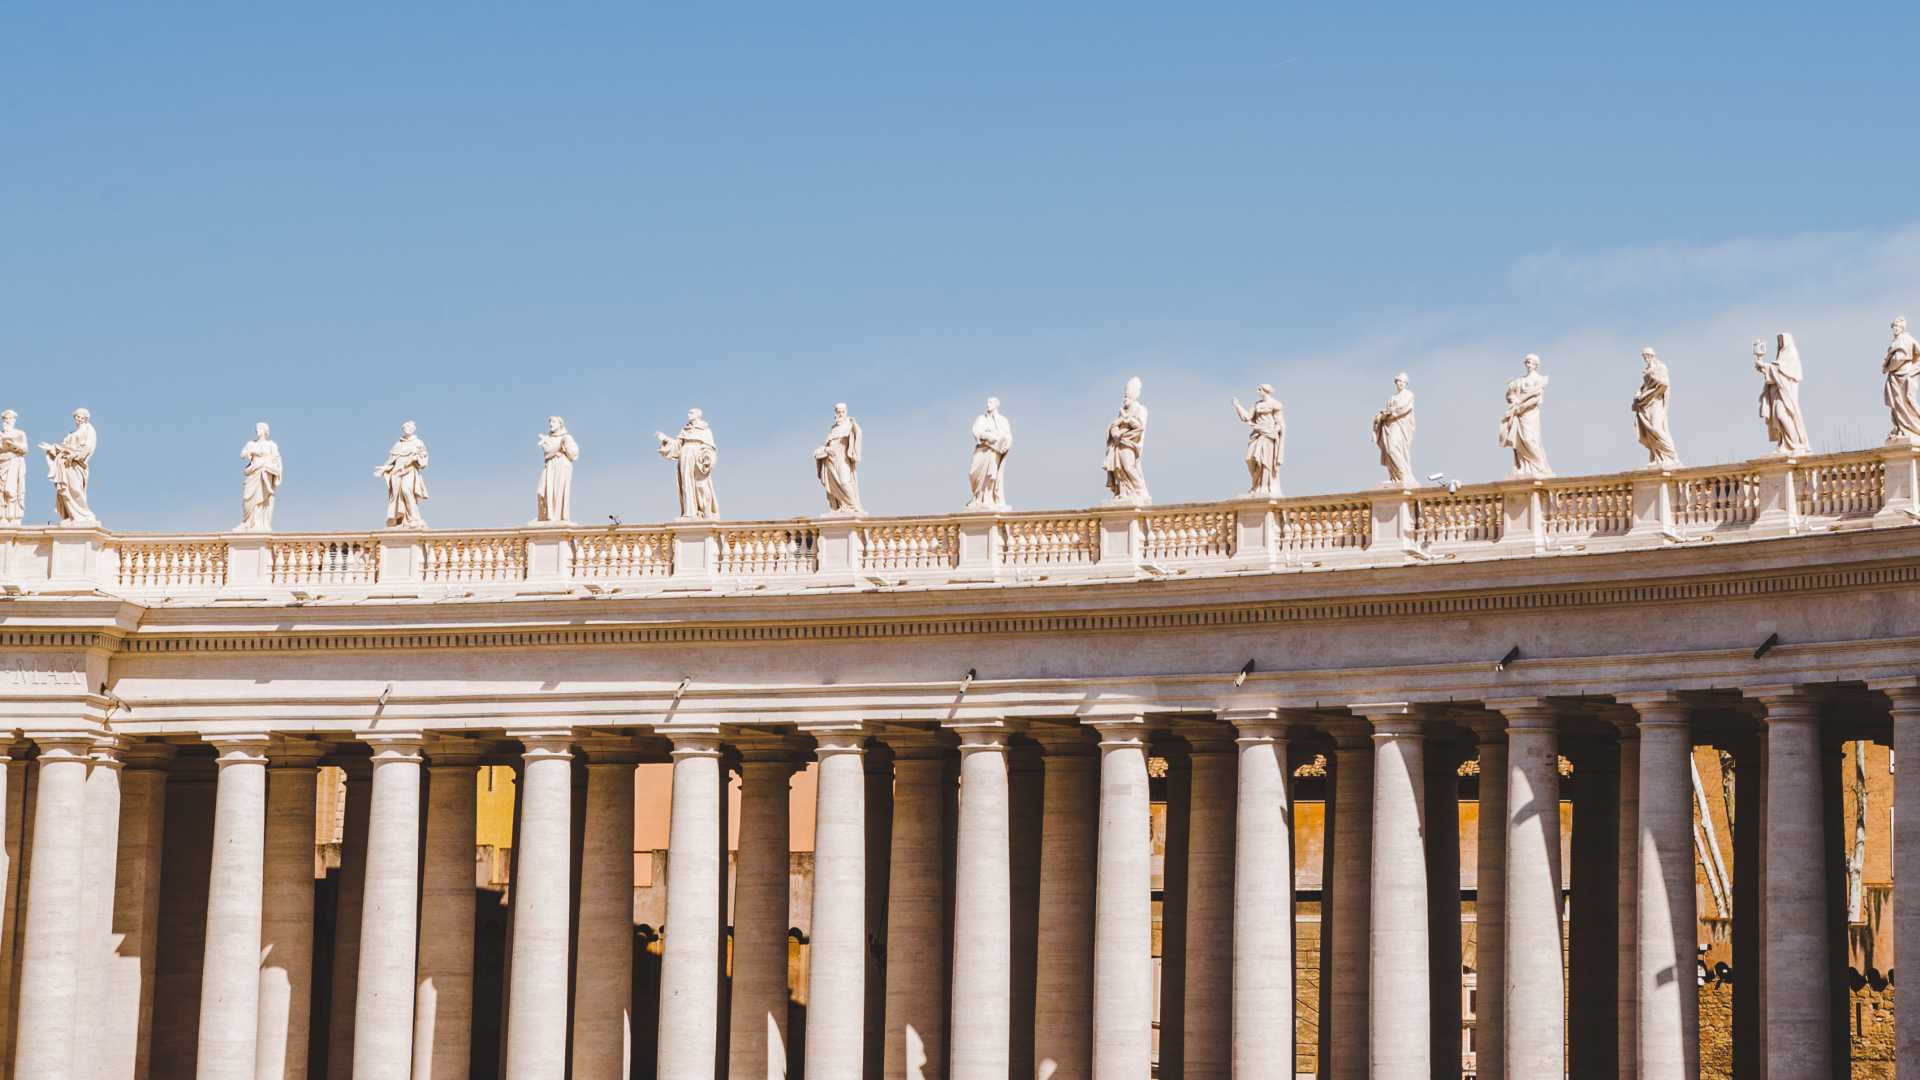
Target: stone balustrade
<point>1755,499</point>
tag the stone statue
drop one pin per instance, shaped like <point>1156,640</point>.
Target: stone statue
<point>694,449</point>
<point>406,474</point>
<point>987,473</point>
<point>1650,412</point>
<point>1520,426</point>
<point>1126,437</point>
<point>260,481</point>
<point>553,495</point>
<point>1266,443</point>
<point>1902,368</point>
<point>1780,395</point>
<point>837,462</point>
<point>13,471</point>
<point>1393,434</point>
<point>67,467</point>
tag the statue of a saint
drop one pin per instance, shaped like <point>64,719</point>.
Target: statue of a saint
<point>67,467</point>
<point>1650,412</point>
<point>1902,368</point>
<point>1393,434</point>
<point>553,495</point>
<point>1780,395</point>
<point>1266,443</point>
<point>693,448</point>
<point>406,474</point>
<point>13,471</point>
<point>260,481</point>
<point>837,461</point>
<point>1520,426</point>
<point>987,473</point>
<point>1126,437</point>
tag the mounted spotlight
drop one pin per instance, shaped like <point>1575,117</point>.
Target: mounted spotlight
<point>1503,663</point>
<point>1766,646</point>
<point>1241,679</point>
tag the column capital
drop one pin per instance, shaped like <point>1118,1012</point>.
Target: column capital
<point>838,739</point>
<point>692,742</point>
<point>1392,719</point>
<point>393,746</point>
<point>1206,736</point>
<point>982,738</point>
<point>147,754</point>
<point>610,750</point>
<point>1064,740</point>
<point>453,752</point>
<point>63,745</point>
<point>768,748</point>
<point>910,744</point>
<point>1121,732</point>
<point>1253,725</point>
<point>239,749</point>
<point>541,744</point>
<point>1526,713</point>
<point>109,751</point>
<point>1349,733</point>
<point>1903,694</point>
<point>1659,708</point>
<point>1785,704</point>
<point>294,752</point>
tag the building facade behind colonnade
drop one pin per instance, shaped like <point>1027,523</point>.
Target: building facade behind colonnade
<point>980,695</point>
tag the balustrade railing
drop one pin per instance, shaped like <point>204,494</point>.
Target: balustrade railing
<point>1762,498</point>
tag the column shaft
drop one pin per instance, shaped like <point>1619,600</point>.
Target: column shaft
<point>1123,913</point>
<point>1208,983</point>
<point>1262,1011</point>
<point>1627,907</point>
<point>1442,835</point>
<point>349,896</point>
<point>46,1017</point>
<point>1668,1004</point>
<point>1063,994</point>
<point>1399,986</point>
<point>1347,1020</point>
<point>758,1031</point>
<point>102,859</point>
<point>1593,948</point>
<point>286,915</point>
<point>836,983</point>
<point>1906,872</point>
<point>983,913</point>
<point>917,984</point>
<point>1490,904</point>
<point>689,984</point>
<point>389,915</point>
<point>542,921</point>
<point>127,1018</point>
<point>1536,973</point>
<point>230,972</point>
<point>1026,792</point>
<point>1799,1011</point>
<point>443,983</point>
<point>603,979</point>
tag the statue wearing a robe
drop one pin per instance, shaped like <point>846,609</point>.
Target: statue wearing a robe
<point>837,461</point>
<point>1902,369</point>
<point>696,453</point>
<point>1393,434</point>
<point>1780,395</point>
<point>1266,443</point>
<point>67,468</point>
<point>1520,426</point>
<point>13,471</point>
<point>553,495</point>
<point>260,482</point>
<point>1650,413</point>
<point>1126,438</point>
<point>987,472</point>
<point>406,474</point>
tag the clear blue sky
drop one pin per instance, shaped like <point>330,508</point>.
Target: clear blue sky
<point>336,219</point>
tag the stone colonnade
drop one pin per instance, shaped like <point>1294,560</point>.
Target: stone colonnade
<point>954,995</point>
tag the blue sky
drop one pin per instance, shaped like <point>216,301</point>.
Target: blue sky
<point>476,216</point>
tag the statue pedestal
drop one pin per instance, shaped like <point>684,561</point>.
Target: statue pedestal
<point>1779,498</point>
<point>1900,501</point>
<point>1653,506</point>
<point>1393,521</point>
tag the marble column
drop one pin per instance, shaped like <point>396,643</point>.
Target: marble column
<point>1123,913</point>
<point>1627,899</point>
<point>1668,1002</point>
<point>1261,1010</point>
<point>689,984</point>
<point>444,974</point>
<point>603,979</point>
<point>1441,829</point>
<point>542,921</point>
<point>14,814</point>
<point>230,971</point>
<point>1063,994</point>
<point>1490,901</point>
<point>286,911</point>
<point>47,1013</point>
<point>1799,1009</point>
<point>102,858</point>
<point>350,892</point>
<point>1208,982</point>
<point>837,968</point>
<point>982,1020</point>
<point>389,914</point>
<point>1535,969</point>
<point>758,1032</point>
<point>917,983</point>
<point>1593,948</point>
<point>1904,696</point>
<point>1351,903</point>
<point>1399,988</point>
<point>1026,790</point>
<point>126,1018</point>
<point>878,766</point>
